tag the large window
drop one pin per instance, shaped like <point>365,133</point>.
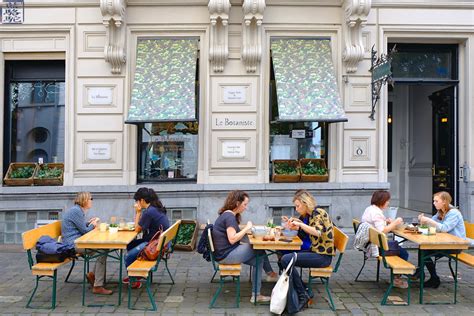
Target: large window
<point>34,111</point>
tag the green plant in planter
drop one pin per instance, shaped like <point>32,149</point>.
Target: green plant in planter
<point>313,168</point>
<point>114,225</point>
<point>22,172</point>
<point>46,173</point>
<point>285,168</point>
<point>185,234</point>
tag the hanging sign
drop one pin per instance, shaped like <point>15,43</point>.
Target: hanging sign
<point>381,74</point>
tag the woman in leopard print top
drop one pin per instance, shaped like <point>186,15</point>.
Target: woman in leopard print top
<point>315,230</point>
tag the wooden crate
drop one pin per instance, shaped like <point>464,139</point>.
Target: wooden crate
<point>49,181</point>
<point>19,182</point>
<point>192,244</point>
<point>286,177</point>
<point>313,177</point>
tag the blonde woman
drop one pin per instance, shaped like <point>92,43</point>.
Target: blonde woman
<point>447,220</point>
<point>73,226</point>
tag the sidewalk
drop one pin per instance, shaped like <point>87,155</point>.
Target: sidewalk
<point>192,292</point>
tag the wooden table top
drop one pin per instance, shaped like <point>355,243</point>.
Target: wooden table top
<point>96,239</point>
<point>260,244</point>
<point>438,241</point>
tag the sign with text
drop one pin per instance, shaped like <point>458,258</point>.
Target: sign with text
<point>99,151</point>
<point>234,121</point>
<point>233,149</point>
<point>100,95</point>
<point>234,94</point>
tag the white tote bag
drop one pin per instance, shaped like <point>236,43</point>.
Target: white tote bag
<point>280,290</point>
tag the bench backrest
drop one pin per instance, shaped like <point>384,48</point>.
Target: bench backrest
<point>469,229</point>
<point>379,239</point>
<point>168,235</point>
<point>30,237</point>
<point>215,265</point>
<point>340,239</point>
<point>355,225</point>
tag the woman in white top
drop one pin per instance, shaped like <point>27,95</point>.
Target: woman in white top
<point>375,217</point>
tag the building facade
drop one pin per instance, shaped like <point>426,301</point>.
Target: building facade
<point>190,98</point>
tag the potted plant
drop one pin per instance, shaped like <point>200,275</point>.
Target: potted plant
<point>113,228</point>
<point>313,170</point>
<point>286,171</point>
<point>424,229</point>
<point>187,235</point>
<point>49,174</point>
<point>20,173</point>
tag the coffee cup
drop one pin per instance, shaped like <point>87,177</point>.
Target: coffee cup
<point>103,227</point>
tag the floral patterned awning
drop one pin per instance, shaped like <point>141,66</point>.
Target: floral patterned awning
<point>305,81</point>
<point>165,81</point>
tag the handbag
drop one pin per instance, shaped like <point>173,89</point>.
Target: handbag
<point>393,248</point>
<point>150,252</point>
<point>280,290</point>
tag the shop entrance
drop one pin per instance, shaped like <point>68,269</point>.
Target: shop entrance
<point>422,126</point>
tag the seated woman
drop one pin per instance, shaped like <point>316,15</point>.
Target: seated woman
<point>227,235</point>
<point>150,216</point>
<point>313,224</point>
<point>73,226</point>
<point>374,216</point>
<point>447,220</point>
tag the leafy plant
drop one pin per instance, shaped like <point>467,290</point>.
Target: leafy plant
<point>312,167</point>
<point>285,168</point>
<point>185,234</point>
<point>114,225</point>
<point>22,172</point>
<point>45,172</point>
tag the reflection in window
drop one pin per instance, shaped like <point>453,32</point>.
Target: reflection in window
<point>168,151</point>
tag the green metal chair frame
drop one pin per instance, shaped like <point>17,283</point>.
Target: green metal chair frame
<point>379,239</point>
<point>355,225</point>
<point>222,278</point>
<point>167,237</point>
<point>340,243</point>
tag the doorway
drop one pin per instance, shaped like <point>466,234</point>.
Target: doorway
<point>422,126</point>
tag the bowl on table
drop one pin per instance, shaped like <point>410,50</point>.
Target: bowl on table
<point>260,231</point>
<point>289,233</point>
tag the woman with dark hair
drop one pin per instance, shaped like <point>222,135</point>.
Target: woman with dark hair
<point>227,235</point>
<point>449,220</point>
<point>375,217</point>
<point>150,216</point>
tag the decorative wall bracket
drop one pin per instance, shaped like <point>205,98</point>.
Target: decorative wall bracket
<point>355,15</point>
<point>252,33</point>
<point>113,18</point>
<point>381,69</point>
<point>219,39</point>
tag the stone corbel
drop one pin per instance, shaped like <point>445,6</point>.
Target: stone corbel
<point>252,33</point>
<point>355,16</point>
<point>113,18</point>
<point>219,39</point>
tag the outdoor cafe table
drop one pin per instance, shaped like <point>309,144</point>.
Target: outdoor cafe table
<point>272,246</point>
<point>442,244</point>
<point>96,243</point>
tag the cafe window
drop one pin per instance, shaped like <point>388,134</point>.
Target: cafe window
<point>164,104</point>
<point>304,98</point>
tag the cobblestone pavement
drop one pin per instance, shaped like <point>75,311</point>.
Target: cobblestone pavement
<point>192,292</point>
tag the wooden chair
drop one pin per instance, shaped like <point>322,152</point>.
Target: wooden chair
<point>225,271</point>
<point>340,243</point>
<point>396,264</point>
<point>42,271</point>
<point>355,226</point>
<point>145,268</point>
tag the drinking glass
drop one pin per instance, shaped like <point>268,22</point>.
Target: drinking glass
<point>415,221</point>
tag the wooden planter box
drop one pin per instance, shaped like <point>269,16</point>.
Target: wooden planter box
<point>286,177</point>
<point>192,244</point>
<point>313,177</point>
<point>19,181</point>
<point>49,181</point>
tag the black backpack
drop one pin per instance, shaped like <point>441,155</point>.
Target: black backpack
<point>203,244</point>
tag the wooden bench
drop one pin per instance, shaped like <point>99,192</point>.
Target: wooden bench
<point>225,270</point>
<point>42,270</point>
<point>340,243</point>
<point>355,226</point>
<point>396,264</point>
<point>145,268</point>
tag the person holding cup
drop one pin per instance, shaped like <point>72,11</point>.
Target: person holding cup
<point>448,219</point>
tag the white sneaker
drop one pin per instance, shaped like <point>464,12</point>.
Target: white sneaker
<point>260,298</point>
<point>270,278</point>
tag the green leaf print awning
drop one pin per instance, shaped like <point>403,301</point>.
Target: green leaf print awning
<point>305,81</point>
<point>165,80</point>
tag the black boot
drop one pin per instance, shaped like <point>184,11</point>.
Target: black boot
<point>433,282</point>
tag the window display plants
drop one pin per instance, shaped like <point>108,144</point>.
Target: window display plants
<point>313,170</point>
<point>49,174</point>
<point>20,174</point>
<point>286,171</point>
<point>187,235</point>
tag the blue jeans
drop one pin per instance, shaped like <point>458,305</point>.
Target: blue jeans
<point>306,259</point>
<point>244,253</point>
<point>132,253</point>
<point>403,254</point>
